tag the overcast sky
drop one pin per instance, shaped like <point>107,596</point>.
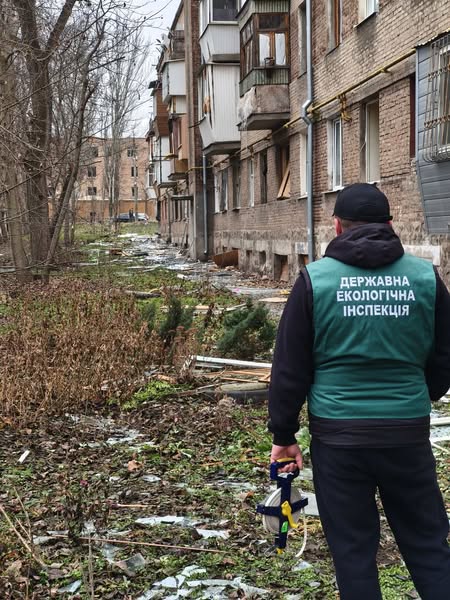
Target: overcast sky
<point>163,12</point>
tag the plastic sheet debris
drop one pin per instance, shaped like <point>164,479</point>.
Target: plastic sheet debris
<point>40,540</point>
<point>182,586</point>
<point>212,533</point>
<point>24,456</point>
<point>109,551</point>
<point>151,478</point>
<point>302,565</point>
<point>132,565</point>
<point>72,588</point>
<point>168,520</point>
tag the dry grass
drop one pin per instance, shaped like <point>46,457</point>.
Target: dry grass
<point>69,347</point>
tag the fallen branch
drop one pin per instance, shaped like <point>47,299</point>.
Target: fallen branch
<point>134,543</point>
<point>24,542</point>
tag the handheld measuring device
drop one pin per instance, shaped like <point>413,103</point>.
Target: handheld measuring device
<point>282,508</point>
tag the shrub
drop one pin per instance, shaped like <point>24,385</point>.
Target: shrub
<point>248,332</point>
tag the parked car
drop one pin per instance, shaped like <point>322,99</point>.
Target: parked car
<point>127,218</point>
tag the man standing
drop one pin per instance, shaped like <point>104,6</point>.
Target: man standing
<point>365,337</point>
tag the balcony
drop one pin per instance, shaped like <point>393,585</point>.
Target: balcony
<point>218,99</point>
<point>220,42</point>
<point>264,107</point>
<point>178,169</point>
<point>173,79</point>
<point>219,32</point>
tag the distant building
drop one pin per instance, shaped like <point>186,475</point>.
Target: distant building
<point>95,200</point>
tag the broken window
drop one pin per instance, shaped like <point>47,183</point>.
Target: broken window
<point>437,115</point>
<point>92,171</point>
<point>205,94</point>
<point>224,10</point>
<point>263,175</point>
<point>335,152</point>
<point>334,23</point>
<point>236,174</point>
<point>251,181</point>
<point>92,191</point>
<point>372,141</point>
<point>303,164</point>
<point>284,176</point>
<point>264,42</point>
<point>224,191</point>
<point>302,38</point>
<point>93,151</point>
<point>216,192</point>
<point>151,175</point>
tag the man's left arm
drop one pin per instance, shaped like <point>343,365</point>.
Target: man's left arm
<point>438,367</point>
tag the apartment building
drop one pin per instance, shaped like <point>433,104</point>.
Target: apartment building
<point>114,178</point>
<point>297,98</point>
<point>174,147</point>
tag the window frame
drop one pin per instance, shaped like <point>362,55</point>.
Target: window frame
<point>217,192</point>
<point>368,8</point>
<point>224,190</point>
<point>92,171</point>
<point>283,172</point>
<point>134,171</point>
<point>236,177</point>
<point>92,190</point>
<point>301,35</point>
<point>263,171</point>
<point>303,163</point>
<point>443,112</point>
<point>368,142</point>
<point>251,181</point>
<point>334,156</point>
<point>131,152</point>
<point>334,24</point>
<point>251,48</point>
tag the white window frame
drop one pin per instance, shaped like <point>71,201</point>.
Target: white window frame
<point>303,163</point>
<point>301,26</point>
<point>224,190</point>
<point>367,8</point>
<point>217,191</point>
<point>335,153</point>
<point>251,181</point>
<point>371,177</point>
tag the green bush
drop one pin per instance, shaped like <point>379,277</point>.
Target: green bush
<point>248,333</point>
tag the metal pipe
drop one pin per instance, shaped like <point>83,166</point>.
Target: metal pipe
<point>307,119</point>
<point>379,71</point>
<point>205,207</point>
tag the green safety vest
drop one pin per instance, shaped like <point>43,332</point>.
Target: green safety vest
<point>373,333</point>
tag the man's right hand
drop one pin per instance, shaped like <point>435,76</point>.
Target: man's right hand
<point>293,451</point>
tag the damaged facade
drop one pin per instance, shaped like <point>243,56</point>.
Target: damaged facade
<point>362,87</point>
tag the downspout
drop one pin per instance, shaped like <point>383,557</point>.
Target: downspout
<point>205,208</point>
<point>308,120</point>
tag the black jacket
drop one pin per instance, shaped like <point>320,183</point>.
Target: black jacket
<point>367,246</point>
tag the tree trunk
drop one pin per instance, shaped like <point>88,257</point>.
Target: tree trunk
<point>23,273</point>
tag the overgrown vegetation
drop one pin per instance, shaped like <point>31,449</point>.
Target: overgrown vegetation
<point>248,333</point>
<point>69,347</point>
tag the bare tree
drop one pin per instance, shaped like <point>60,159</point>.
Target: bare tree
<point>9,189</point>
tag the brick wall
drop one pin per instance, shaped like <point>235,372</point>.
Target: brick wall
<point>279,226</point>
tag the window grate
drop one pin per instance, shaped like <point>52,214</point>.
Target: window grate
<point>436,135</point>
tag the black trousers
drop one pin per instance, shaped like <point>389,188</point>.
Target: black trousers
<point>345,481</point>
